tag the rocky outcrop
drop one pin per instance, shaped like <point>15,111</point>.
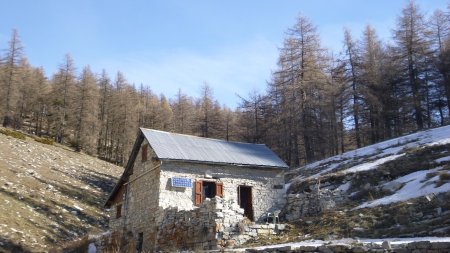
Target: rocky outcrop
<point>311,203</point>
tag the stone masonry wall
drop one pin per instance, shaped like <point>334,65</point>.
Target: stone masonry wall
<point>140,210</point>
<point>264,182</point>
<point>311,203</point>
<point>114,223</point>
<point>413,247</point>
<point>215,225</point>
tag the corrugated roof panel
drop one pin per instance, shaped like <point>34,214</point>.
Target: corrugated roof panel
<point>192,148</point>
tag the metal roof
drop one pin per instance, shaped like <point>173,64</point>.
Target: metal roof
<point>172,146</point>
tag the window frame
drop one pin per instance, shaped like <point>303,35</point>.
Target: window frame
<point>198,190</point>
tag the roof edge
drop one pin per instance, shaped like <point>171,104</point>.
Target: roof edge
<point>139,139</point>
<point>225,163</point>
<point>207,138</point>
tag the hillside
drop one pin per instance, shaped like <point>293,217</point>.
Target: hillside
<point>399,187</point>
<point>49,194</point>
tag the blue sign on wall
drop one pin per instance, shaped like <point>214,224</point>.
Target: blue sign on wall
<point>181,182</point>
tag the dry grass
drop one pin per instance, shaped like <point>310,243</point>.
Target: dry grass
<point>49,194</point>
<point>79,245</point>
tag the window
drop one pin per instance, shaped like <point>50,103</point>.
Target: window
<point>207,189</point>
<point>144,152</point>
<point>118,211</point>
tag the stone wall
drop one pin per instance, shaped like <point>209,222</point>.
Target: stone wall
<point>311,203</point>
<point>386,246</point>
<point>216,224</point>
<point>265,185</point>
<point>140,209</point>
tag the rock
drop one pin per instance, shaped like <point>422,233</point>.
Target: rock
<point>440,245</point>
<point>340,248</point>
<point>427,217</point>
<point>366,186</point>
<point>402,250</point>
<point>281,227</point>
<point>304,249</point>
<point>419,245</point>
<point>386,245</point>
<point>392,186</point>
<point>418,215</point>
<point>325,249</point>
<point>230,243</point>
<point>360,249</point>
<point>359,229</point>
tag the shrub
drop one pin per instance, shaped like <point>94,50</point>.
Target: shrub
<point>14,134</point>
<point>444,176</point>
<point>47,141</point>
<point>79,245</point>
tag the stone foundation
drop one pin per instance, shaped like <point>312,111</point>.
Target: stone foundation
<point>216,224</point>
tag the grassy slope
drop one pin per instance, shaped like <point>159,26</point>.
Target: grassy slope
<point>49,194</point>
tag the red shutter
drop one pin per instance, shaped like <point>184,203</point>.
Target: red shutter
<point>219,189</point>
<point>198,193</point>
<point>144,152</point>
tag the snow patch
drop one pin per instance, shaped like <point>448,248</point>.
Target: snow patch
<point>406,240</point>
<point>372,165</point>
<point>349,241</point>
<point>345,187</point>
<point>417,184</point>
<point>443,159</point>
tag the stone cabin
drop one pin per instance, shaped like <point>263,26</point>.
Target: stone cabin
<point>176,174</point>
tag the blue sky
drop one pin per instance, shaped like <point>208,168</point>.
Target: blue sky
<point>170,44</point>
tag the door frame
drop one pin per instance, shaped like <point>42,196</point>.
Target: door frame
<point>248,209</point>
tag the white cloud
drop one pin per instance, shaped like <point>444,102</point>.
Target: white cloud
<point>229,70</point>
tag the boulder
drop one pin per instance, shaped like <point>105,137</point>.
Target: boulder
<point>386,245</point>
<point>392,186</point>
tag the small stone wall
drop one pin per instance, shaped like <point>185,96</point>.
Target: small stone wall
<point>414,247</point>
<point>311,203</point>
<point>216,224</point>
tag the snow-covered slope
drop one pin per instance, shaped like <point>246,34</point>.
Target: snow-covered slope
<point>399,187</point>
<point>417,183</point>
